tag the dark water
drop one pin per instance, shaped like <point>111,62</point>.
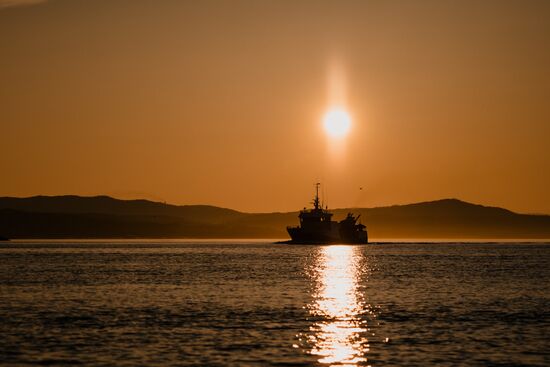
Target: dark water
<point>254,303</point>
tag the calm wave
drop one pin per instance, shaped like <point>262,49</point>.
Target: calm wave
<point>162,303</point>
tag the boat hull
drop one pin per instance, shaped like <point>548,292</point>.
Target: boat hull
<point>300,235</point>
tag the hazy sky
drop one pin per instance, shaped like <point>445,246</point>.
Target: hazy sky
<point>220,103</point>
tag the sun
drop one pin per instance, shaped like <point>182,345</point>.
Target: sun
<point>337,122</point>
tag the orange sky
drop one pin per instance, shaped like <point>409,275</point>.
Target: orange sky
<point>220,103</point>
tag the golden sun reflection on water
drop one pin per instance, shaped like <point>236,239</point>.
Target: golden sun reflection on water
<point>338,337</point>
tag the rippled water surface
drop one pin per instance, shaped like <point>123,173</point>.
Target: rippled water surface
<point>255,303</point>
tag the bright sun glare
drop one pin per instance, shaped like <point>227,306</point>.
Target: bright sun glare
<point>337,122</point>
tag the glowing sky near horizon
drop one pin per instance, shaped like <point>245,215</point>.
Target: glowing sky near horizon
<point>222,102</point>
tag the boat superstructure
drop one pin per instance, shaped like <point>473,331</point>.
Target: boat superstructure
<point>317,226</point>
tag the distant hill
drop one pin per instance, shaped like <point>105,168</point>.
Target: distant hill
<point>71,204</point>
<point>106,217</point>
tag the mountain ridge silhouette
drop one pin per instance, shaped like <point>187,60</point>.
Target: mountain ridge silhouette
<point>72,216</point>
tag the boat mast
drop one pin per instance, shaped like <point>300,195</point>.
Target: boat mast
<point>316,200</point>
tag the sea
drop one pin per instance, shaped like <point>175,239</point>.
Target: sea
<point>257,303</point>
